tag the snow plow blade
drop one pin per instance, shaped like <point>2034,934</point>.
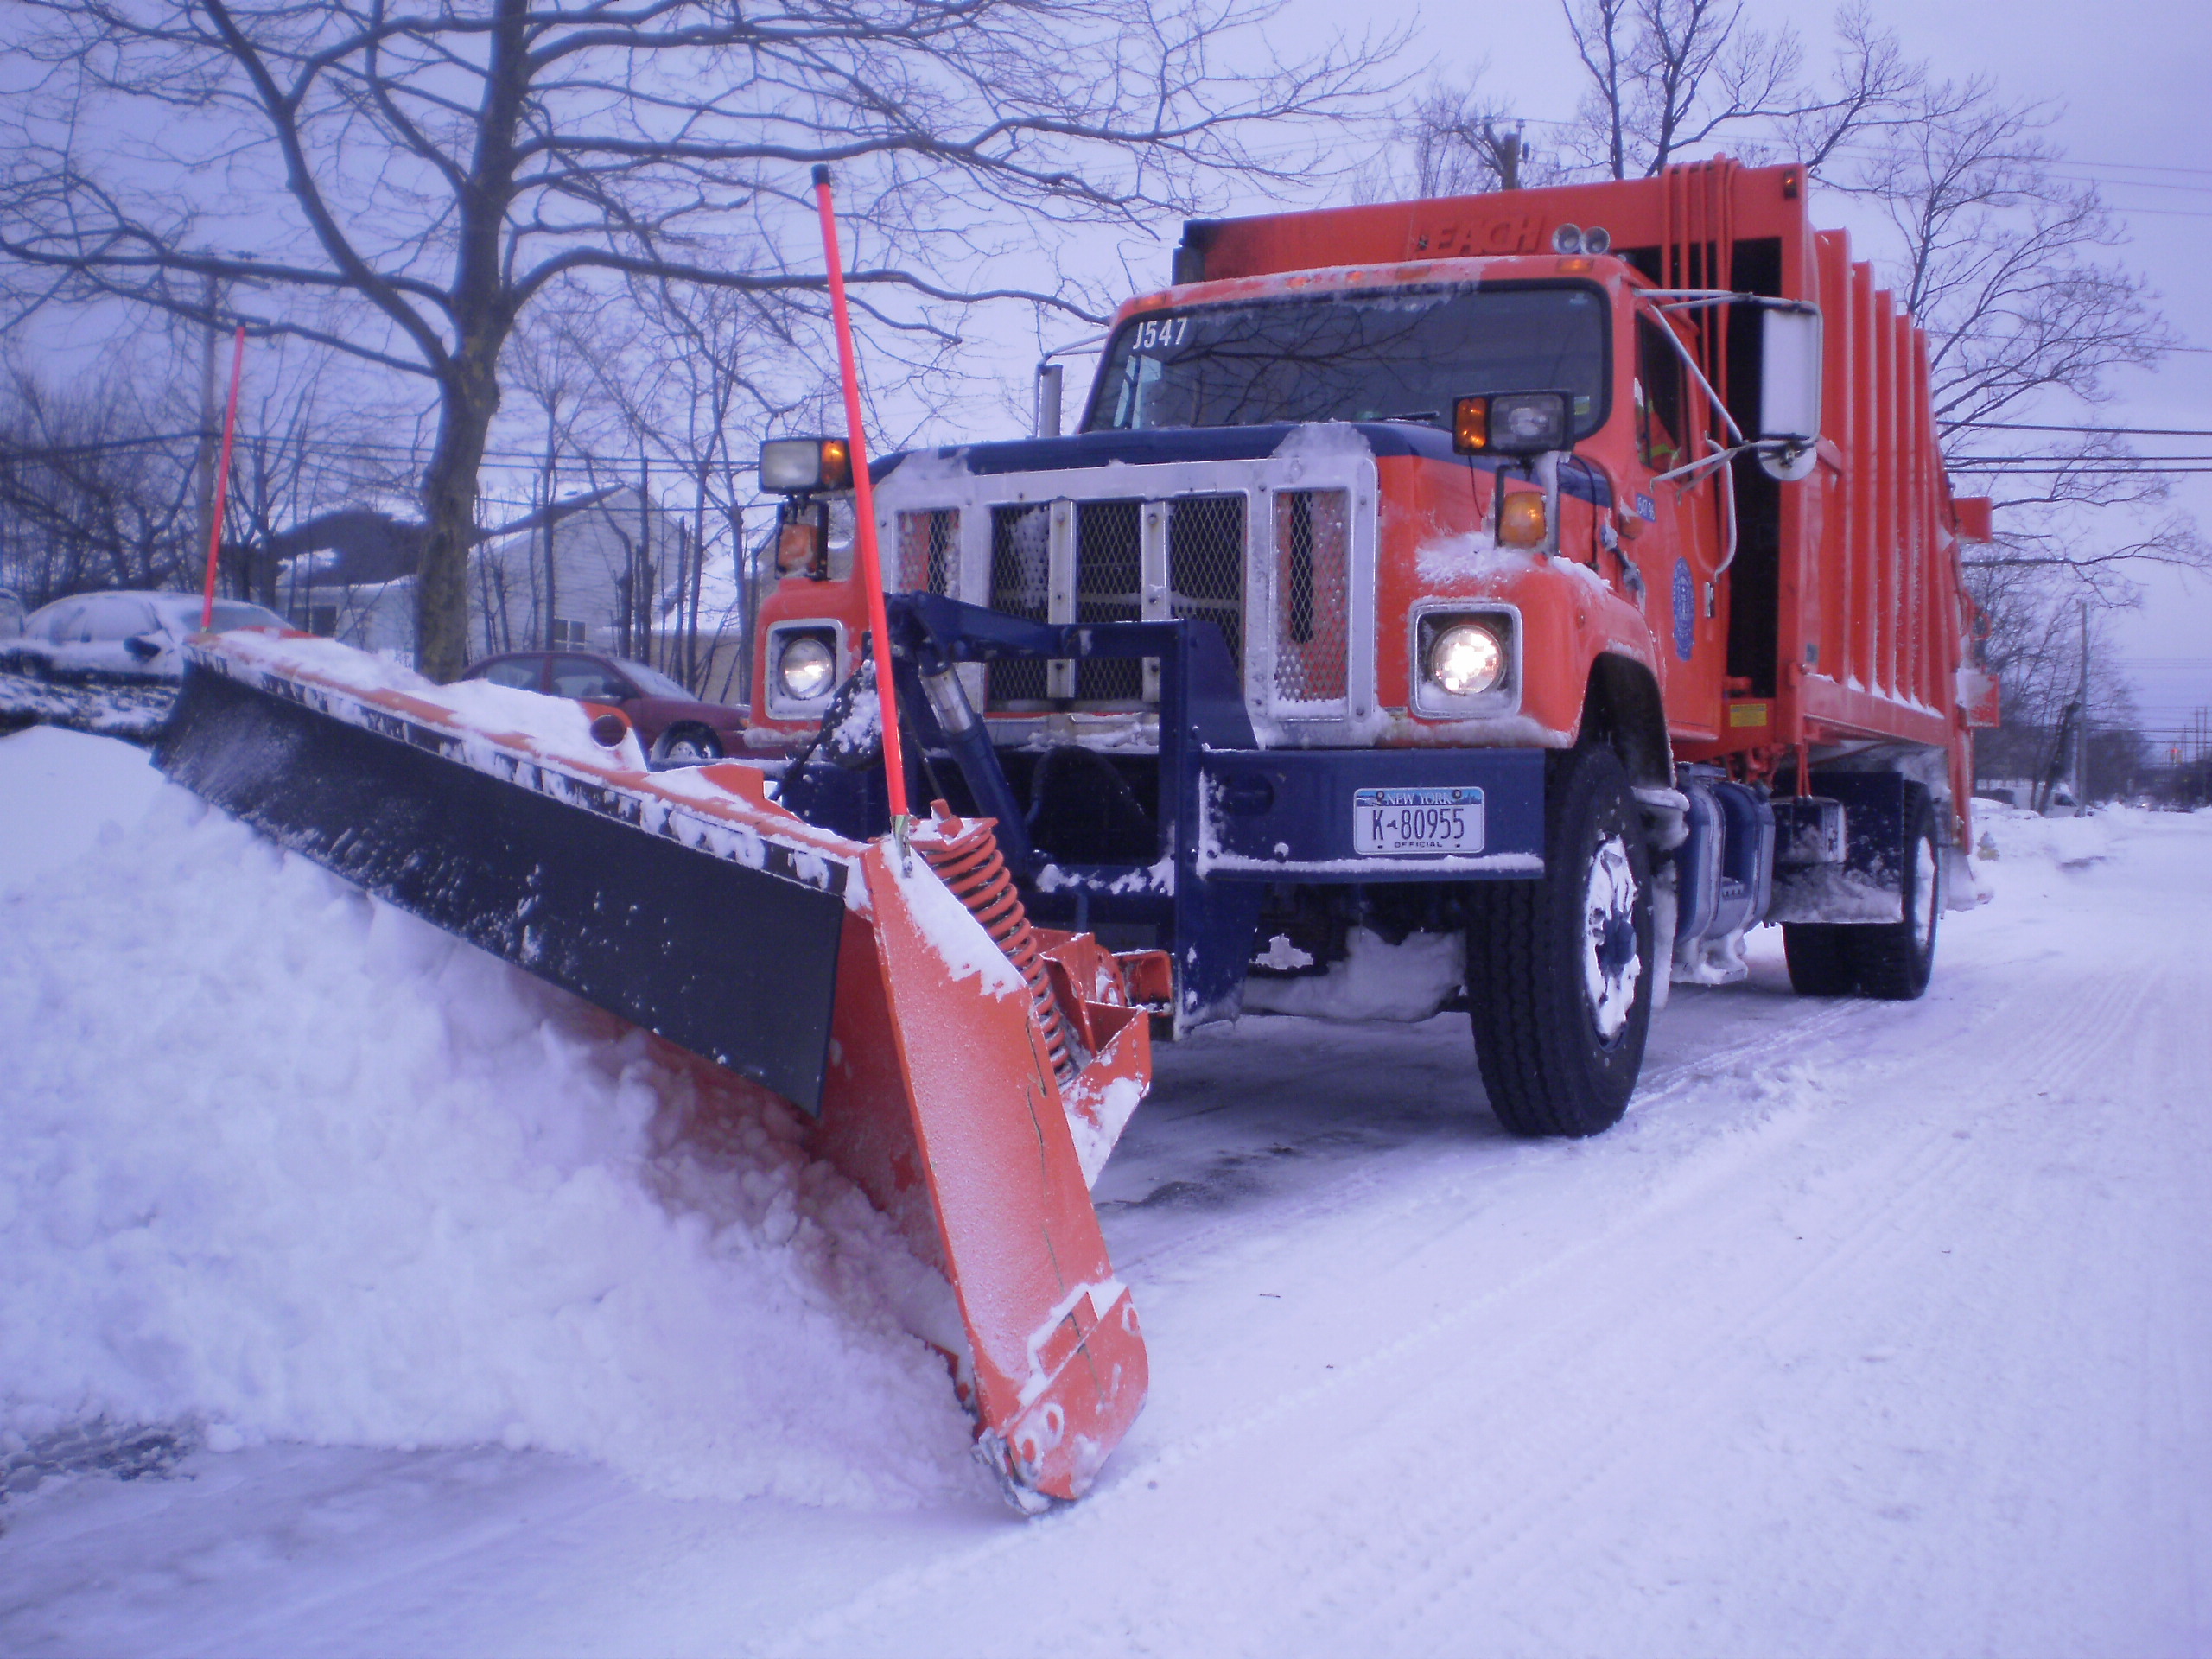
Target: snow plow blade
<point>966,1071</point>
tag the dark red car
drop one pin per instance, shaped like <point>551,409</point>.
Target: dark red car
<point>676,727</point>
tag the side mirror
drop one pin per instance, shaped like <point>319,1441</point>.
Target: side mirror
<point>1790,389</point>
<point>143,646</point>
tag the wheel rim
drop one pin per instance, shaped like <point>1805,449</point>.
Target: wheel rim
<point>687,749</point>
<point>1612,965</point>
<point>1926,897</point>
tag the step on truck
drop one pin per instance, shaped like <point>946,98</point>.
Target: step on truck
<point>1573,572</point>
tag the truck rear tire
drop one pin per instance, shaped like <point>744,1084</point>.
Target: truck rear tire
<point>1560,969</point>
<point>1894,961</point>
<point>1891,961</point>
<point>1820,957</point>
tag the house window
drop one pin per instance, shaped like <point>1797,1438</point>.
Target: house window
<point>569,633</point>
<point>316,619</point>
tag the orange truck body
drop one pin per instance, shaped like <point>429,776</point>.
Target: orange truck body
<point>1852,625</point>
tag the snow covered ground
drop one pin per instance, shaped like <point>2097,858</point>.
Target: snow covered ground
<point>1874,1328</point>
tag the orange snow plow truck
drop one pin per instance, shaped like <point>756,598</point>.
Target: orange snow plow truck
<point>1572,572</point>
<point>1519,597</point>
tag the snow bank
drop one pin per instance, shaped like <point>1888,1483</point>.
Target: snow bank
<point>59,792</point>
<point>2005,834</point>
<point>283,1162</point>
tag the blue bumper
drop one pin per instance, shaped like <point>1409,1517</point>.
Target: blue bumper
<point>1291,815</point>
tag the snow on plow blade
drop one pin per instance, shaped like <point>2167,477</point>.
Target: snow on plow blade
<point>966,1071</point>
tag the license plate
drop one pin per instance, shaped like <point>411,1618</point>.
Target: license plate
<point>1386,821</point>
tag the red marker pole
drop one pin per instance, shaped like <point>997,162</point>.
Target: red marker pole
<point>222,483</point>
<point>894,761</point>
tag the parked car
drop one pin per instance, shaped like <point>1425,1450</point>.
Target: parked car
<point>123,633</point>
<point>676,727</point>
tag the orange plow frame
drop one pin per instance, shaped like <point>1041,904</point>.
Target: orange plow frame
<point>967,1053</point>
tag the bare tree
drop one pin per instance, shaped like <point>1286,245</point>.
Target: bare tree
<point>311,439</point>
<point>1668,77</point>
<point>96,487</point>
<point>2010,268</point>
<point>703,382</point>
<point>401,184</point>
<point>1459,141</point>
<point>2007,266</point>
<point>554,361</point>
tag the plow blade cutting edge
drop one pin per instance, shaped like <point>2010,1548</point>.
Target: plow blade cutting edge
<point>968,1073</point>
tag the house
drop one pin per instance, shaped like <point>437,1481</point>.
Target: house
<point>596,570</point>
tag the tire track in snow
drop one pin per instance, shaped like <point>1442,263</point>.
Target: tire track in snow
<point>1175,1461</point>
<point>1363,1176</point>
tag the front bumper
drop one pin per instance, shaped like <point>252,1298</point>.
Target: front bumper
<point>1287,814</point>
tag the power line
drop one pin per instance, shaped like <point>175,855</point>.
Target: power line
<point>57,451</point>
<point>368,449</point>
<point>2092,431</point>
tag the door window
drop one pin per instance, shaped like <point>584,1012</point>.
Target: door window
<point>522,675</point>
<point>1659,396</point>
<point>109,620</point>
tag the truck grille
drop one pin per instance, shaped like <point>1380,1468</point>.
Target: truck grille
<point>1109,587</point>
<point>929,552</point>
<point>1205,564</point>
<point>1312,587</point>
<point>1276,555</point>
<point>1204,557</point>
<point>1021,585</point>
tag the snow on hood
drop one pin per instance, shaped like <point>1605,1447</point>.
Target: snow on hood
<point>283,1162</point>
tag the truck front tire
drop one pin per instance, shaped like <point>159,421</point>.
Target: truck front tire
<point>1561,969</point>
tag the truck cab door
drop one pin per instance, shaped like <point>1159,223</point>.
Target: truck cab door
<point>1681,539</point>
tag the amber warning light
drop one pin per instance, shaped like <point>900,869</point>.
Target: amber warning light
<point>1510,423</point>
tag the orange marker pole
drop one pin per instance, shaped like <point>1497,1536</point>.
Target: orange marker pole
<point>222,483</point>
<point>894,761</point>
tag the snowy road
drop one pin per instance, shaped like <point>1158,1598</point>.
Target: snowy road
<point>1875,1329</point>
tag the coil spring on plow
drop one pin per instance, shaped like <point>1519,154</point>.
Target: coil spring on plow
<point>971,864</point>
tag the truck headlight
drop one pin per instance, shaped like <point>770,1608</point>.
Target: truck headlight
<point>1466,660</point>
<point>805,668</point>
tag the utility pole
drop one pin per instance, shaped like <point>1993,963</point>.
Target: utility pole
<point>203,467</point>
<point>2082,725</point>
<point>1505,150</point>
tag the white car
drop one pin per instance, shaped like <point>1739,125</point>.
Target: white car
<point>124,634</point>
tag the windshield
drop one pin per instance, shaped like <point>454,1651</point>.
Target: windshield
<point>183,611</point>
<point>230,614</point>
<point>1358,354</point>
<point>652,681</point>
